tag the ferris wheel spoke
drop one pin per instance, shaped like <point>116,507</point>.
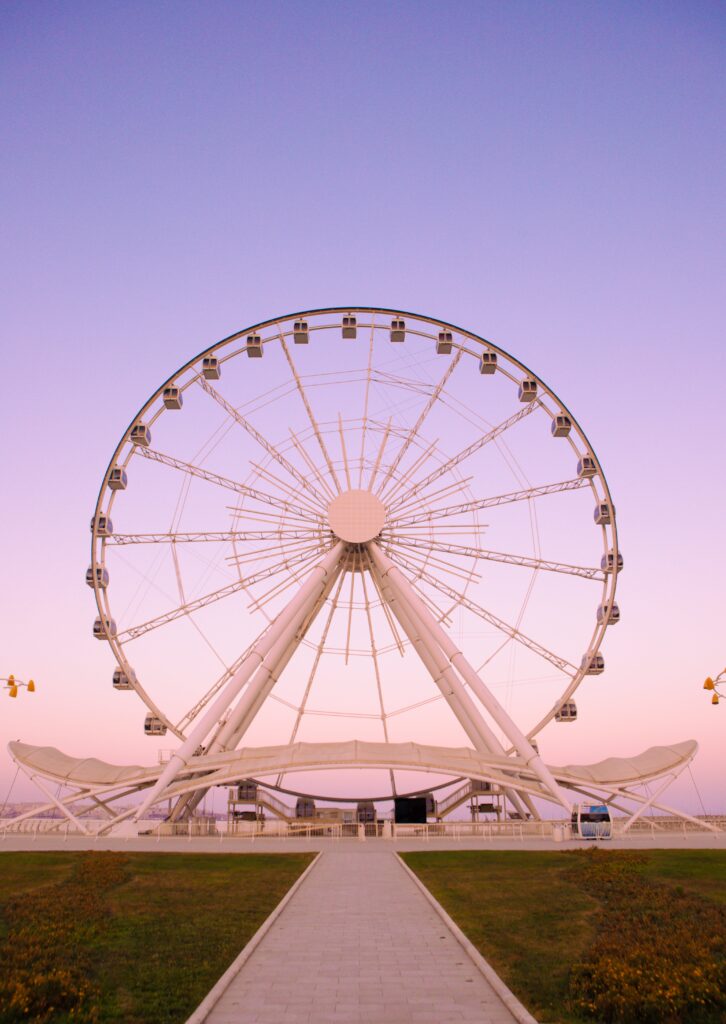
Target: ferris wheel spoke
<point>329,493</point>
<point>274,520</point>
<point>426,454</point>
<point>374,653</point>
<point>420,421</point>
<point>134,632</point>
<point>383,604</point>
<point>310,414</point>
<point>350,608</point>
<point>366,396</point>
<point>189,717</point>
<point>406,383</point>
<point>504,627</point>
<point>233,730</point>
<point>295,496</point>
<point>443,492</point>
<point>295,568</point>
<point>500,499</point>
<point>271,449</point>
<point>319,650</point>
<point>379,456</point>
<point>204,537</point>
<point>343,450</point>
<point>418,570</point>
<point>376,667</point>
<point>427,558</point>
<point>289,562</point>
<point>465,453</point>
<point>201,602</point>
<point>464,551</point>
<point>222,481</point>
<point>265,554</point>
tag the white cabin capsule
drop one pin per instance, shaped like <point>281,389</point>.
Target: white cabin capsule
<point>561,425</point>
<point>102,525</point>
<point>104,628</point>
<point>607,562</point>
<point>173,398</point>
<point>488,362</point>
<point>117,479</point>
<point>120,680</point>
<point>211,370</point>
<point>604,513</point>
<point>350,328</point>
<point>527,390</point>
<point>398,330</point>
<point>567,713</point>
<point>153,726</point>
<point>608,614</point>
<point>593,664</point>
<point>443,343</point>
<point>98,578</point>
<point>254,346</point>
<point>141,435</point>
<point>300,332</point>
<point>586,467</point>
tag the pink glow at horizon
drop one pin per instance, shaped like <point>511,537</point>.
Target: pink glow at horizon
<point>545,176</point>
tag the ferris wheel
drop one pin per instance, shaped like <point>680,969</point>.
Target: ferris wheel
<point>354,499</point>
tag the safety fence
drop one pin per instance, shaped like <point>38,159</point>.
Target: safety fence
<point>272,828</point>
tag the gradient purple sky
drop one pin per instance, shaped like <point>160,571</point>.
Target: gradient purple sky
<point>548,175</point>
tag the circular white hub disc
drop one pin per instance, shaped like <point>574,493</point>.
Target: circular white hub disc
<point>356,516</point>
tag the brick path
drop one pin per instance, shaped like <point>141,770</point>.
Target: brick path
<point>359,942</point>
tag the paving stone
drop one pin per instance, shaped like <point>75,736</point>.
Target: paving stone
<point>358,942</point>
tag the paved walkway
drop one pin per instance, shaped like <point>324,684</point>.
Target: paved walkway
<point>359,942</point>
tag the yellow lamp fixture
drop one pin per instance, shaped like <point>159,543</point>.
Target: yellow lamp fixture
<point>11,684</point>
<point>717,686</point>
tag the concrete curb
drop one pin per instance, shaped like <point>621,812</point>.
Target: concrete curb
<point>217,990</point>
<point>520,1013</point>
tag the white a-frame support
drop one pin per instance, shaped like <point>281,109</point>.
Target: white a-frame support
<point>282,630</point>
<point>272,651</point>
<point>414,605</point>
<point>442,672</point>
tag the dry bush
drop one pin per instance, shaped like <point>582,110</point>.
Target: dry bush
<point>660,953</point>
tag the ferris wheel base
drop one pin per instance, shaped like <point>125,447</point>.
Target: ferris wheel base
<point>92,784</point>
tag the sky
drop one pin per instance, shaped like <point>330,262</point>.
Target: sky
<point>549,176</point>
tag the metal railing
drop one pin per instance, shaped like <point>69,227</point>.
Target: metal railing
<point>383,828</point>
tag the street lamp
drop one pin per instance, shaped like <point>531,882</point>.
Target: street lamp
<point>11,684</point>
<point>717,685</point>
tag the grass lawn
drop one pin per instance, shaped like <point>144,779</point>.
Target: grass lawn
<point>594,935</point>
<point>137,937</point>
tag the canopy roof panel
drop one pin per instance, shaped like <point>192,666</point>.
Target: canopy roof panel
<point>260,761</point>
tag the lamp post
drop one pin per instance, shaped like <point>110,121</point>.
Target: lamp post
<point>717,685</point>
<point>11,684</point>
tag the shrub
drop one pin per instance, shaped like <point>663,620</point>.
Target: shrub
<point>44,961</point>
<point>660,954</point>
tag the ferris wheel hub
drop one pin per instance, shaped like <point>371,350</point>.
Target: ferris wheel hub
<point>356,516</point>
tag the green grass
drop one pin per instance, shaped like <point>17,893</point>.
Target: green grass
<point>555,925</point>
<point>702,872</point>
<point>138,938</point>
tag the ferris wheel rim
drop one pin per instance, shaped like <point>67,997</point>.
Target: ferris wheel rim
<point>609,584</point>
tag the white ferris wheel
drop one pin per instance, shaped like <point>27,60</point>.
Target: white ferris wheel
<point>354,524</point>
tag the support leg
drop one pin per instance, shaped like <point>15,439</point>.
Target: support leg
<point>291,615</point>
<point>524,748</point>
